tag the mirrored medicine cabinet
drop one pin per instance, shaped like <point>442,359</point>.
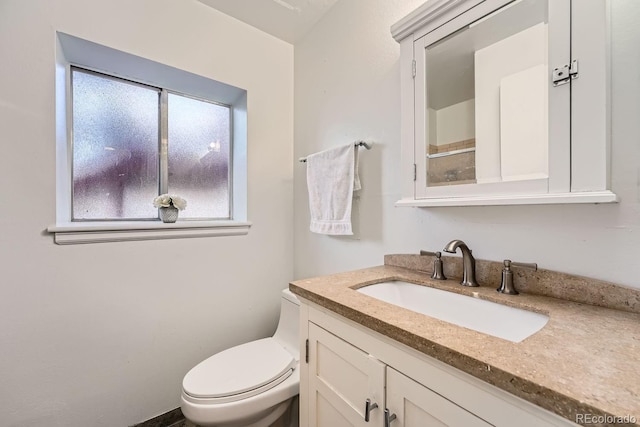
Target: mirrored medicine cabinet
<point>505,102</point>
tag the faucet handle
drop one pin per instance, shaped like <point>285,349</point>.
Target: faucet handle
<point>506,286</point>
<point>438,273</point>
<point>529,265</point>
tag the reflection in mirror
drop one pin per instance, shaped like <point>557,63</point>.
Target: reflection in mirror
<point>487,99</point>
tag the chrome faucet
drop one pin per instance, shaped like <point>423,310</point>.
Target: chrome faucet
<point>468,262</point>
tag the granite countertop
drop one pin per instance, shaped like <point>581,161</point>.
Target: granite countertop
<point>585,360</point>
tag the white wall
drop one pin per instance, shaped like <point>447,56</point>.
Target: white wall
<point>432,126</point>
<point>456,123</point>
<point>524,124</point>
<point>347,87</point>
<point>511,55</point>
<point>102,334</point>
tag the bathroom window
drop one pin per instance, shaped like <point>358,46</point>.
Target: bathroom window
<point>132,141</point>
<point>129,128</point>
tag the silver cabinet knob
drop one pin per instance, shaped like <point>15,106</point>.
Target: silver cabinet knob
<point>368,407</point>
<point>388,418</point>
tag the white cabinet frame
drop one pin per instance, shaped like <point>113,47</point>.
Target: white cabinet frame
<point>579,125</point>
<point>486,402</point>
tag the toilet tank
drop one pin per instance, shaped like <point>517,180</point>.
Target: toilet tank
<point>288,331</point>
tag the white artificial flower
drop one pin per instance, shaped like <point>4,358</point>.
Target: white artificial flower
<point>166,200</point>
<point>162,201</point>
<point>178,202</point>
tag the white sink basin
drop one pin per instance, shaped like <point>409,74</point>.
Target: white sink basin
<point>499,320</point>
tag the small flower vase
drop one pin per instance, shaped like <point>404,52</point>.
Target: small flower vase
<point>168,214</point>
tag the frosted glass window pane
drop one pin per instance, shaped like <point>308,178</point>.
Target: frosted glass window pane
<point>199,147</point>
<point>115,148</point>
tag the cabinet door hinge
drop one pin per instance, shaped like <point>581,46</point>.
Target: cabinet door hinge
<point>306,351</point>
<point>565,73</point>
<point>413,68</point>
<point>415,172</point>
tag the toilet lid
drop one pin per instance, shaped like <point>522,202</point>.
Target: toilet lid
<point>239,369</point>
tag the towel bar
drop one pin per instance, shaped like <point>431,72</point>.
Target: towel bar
<point>366,145</point>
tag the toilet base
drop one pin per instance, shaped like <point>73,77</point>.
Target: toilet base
<point>271,418</point>
<point>262,419</point>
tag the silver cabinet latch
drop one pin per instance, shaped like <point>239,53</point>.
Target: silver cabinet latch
<point>565,73</point>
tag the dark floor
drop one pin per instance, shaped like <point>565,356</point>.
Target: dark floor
<point>175,418</point>
<point>183,423</point>
<point>170,419</point>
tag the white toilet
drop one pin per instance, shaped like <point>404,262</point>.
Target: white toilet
<point>250,385</point>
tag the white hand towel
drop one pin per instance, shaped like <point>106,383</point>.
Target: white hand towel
<point>332,177</point>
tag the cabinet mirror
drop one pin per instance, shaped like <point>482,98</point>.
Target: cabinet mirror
<point>495,111</point>
<point>487,104</point>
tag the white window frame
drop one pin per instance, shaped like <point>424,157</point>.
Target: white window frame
<point>72,50</point>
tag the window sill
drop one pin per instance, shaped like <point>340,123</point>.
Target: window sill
<point>98,232</point>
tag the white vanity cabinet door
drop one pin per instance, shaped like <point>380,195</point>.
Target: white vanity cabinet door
<point>341,379</point>
<point>417,406</point>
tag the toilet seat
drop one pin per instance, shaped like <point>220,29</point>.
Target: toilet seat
<point>239,372</point>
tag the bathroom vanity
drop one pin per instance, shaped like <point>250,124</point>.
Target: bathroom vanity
<point>367,362</point>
